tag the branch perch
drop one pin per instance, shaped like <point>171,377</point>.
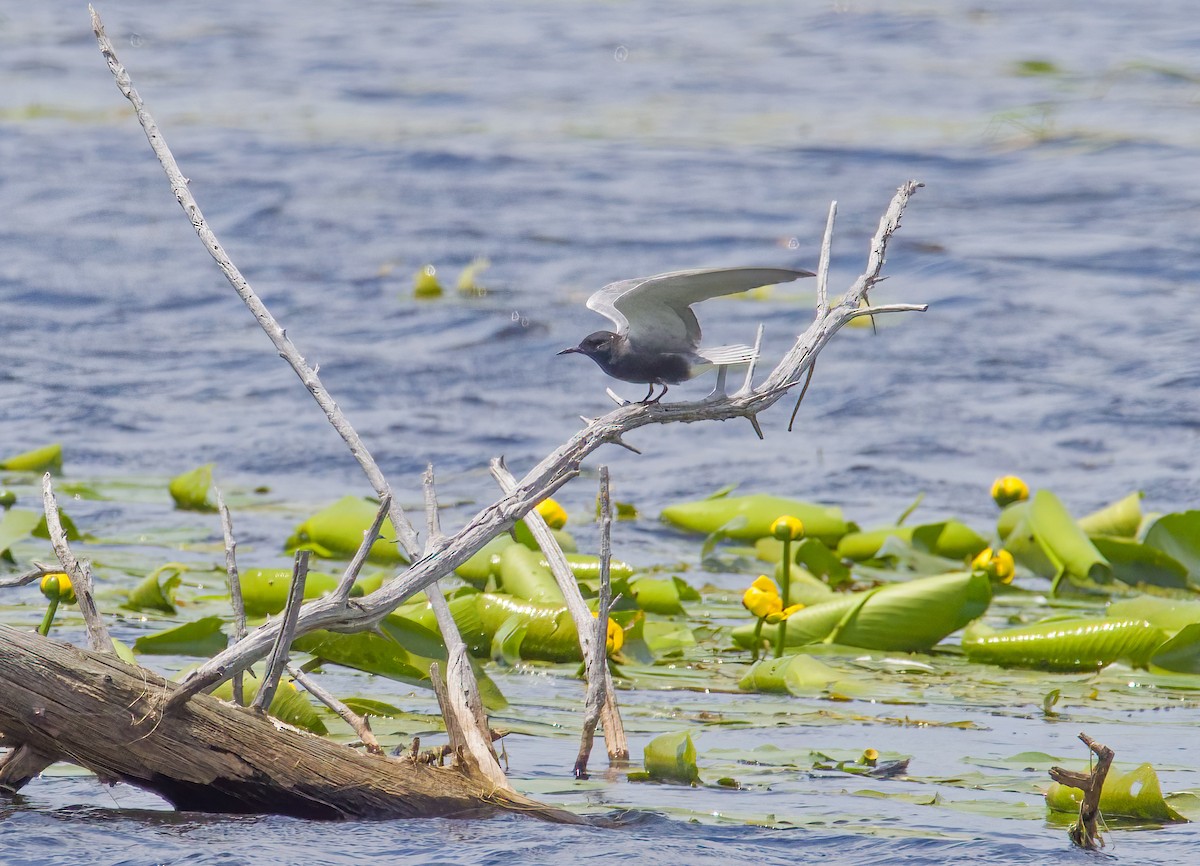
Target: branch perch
<point>1085,832</point>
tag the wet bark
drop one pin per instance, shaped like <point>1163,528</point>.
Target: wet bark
<point>91,709</point>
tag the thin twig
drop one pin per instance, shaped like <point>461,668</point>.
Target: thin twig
<point>80,573</point>
<point>433,521</point>
<point>748,383</point>
<point>823,263</point>
<point>283,643</point>
<point>597,667</point>
<point>36,573</point>
<point>235,590</point>
<point>370,536</point>
<point>360,724</point>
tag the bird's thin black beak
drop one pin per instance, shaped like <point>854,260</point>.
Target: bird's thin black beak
<point>573,349</point>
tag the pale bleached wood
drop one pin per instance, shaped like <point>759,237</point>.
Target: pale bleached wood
<point>80,573</point>
<point>235,589</point>
<point>107,716</point>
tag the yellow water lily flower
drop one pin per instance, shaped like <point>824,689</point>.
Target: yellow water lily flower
<point>1008,490</point>
<point>615,638</point>
<point>780,616</point>
<point>869,757</point>
<point>762,598</point>
<point>787,528</point>
<point>998,565</point>
<point>57,585</point>
<point>553,513</point>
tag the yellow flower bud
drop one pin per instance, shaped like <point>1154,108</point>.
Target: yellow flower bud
<point>762,598</point>
<point>997,565</point>
<point>869,757</point>
<point>426,284</point>
<point>784,614</point>
<point>1009,489</point>
<point>553,513</point>
<point>57,585</point>
<point>615,637</point>
<point>787,528</point>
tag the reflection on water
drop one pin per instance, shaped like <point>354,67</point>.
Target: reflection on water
<point>336,149</point>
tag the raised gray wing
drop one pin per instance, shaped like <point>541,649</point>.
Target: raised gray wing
<point>655,312</point>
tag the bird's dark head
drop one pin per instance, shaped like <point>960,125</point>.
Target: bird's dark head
<point>601,347</point>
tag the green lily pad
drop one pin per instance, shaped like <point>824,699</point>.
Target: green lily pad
<point>1065,644</point>
<point>672,758</point>
<point>190,490</point>
<point>203,638</point>
<point>758,511</point>
<point>1049,542</point>
<point>288,704</point>
<point>337,531</point>
<point>48,458</point>
<point>1121,519</point>
<point>1140,564</point>
<point>905,617</point>
<point>1178,536</point>
<point>157,591</point>
<point>17,524</point>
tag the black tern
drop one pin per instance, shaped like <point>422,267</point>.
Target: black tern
<point>657,341</point>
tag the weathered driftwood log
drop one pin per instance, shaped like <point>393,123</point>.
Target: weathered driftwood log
<point>96,711</point>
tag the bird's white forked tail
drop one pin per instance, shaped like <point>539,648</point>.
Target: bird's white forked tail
<point>727,356</point>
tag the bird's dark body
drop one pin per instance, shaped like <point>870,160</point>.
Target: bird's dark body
<point>619,358</point>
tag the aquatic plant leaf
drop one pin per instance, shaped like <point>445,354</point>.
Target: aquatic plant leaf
<point>1065,644</point>
<point>337,531</point>
<point>1169,614</point>
<point>48,458</point>
<point>947,538</point>
<point>287,705</point>
<point>17,524</point>
<point>586,566</point>
<point>202,637</point>
<point>190,490</point>
<point>523,535</point>
<point>506,644</point>
<point>522,575</point>
<point>124,653</point>
<point>816,559</point>
<point>1180,654</point>
<point>1049,542</point>
<point>792,674</point>
<point>1135,794</point>
<point>904,617</point>
<point>68,525</point>
<point>265,590</point>
<point>665,637</point>
<point>484,563</point>
<point>1121,518</point>
<point>157,591</point>
<point>660,595</point>
<point>672,758</point>
<point>1135,563</point>
<point>368,652</point>
<point>1178,536</point>
<point>760,510</point>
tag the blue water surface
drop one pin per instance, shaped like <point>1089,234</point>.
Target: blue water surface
<point>337,148</point>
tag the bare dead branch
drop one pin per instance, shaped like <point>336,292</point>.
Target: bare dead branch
<point>235,590</point>
<point>283,642</point>
<point>346,583</point>
<point>1085,832</point>
<point>597,664</point>
<point>80,573</point>
<point>360,725</point>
